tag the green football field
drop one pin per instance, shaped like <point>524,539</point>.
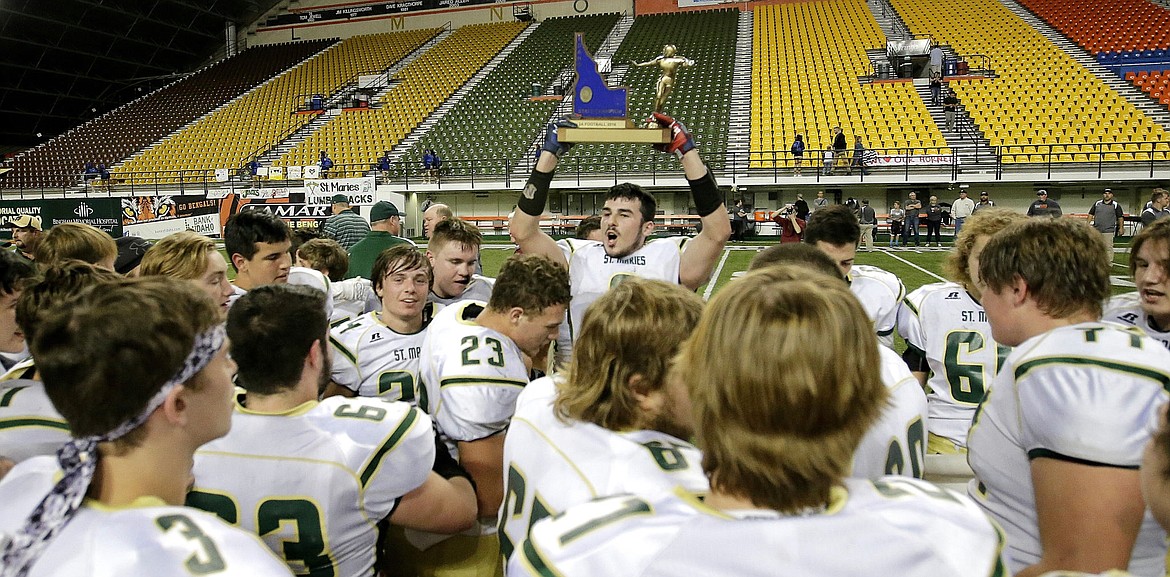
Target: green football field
<point>915,267</point>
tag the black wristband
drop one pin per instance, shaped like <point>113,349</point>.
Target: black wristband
<point>535,193</point>
<point>706,194</point>
<point>446,466</point>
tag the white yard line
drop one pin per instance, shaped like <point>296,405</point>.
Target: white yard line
<point>896,257</point>
<point>715,275</point>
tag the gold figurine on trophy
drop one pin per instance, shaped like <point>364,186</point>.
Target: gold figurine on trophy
<point>670,65</point>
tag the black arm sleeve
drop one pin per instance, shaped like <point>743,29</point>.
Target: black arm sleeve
<point>446,465</point>
<point>706,194</point>
<point>915,358</point>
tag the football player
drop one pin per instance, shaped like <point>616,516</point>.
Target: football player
<point>949,340</point>
<point>1148,308</point>
<point>323,474</point>
<point>627,221</point>
<point>74,240</point>
<point>896,444</point>
<point>614,423</point>
<point>257,243</point>
<point>15,272</point>
<point>835,230</point>
<point>377,354</point>
<point>1058,439</point>
<point>193,257</point>
<point>152,354</point>
<point>453,252</point>
<point>778,428</point>
<point>473,367</point>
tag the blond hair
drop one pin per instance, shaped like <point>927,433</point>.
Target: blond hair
<point>181,255</point>
<point>1062,260</point>
<point>74,240</point>
<point>784,381</point>
<point>634,329</point>
<point>986,222</point>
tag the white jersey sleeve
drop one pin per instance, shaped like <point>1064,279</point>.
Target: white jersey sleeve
<point>885,527</point>
<point>950,329</point>
<point>475,373</point>
<point>313,278</point>
<point>372,360</point>
<point>552,464</point>
<point>881,294</point>
<point>1088,393</point>
<point>29,424</point>
<point>896,444</point>
<point>322,475</point>
<point>1125,309</point>
<point>147,537</point>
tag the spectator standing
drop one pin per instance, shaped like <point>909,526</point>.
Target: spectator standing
<point>1157,208</point>
<point>913,210</point>
<point>1042,206</point>
<point>858,157</point>
<point>797,154</point>
<point>950,107</point>
<point>962,208</point>
<point>820,201</point>
<point>827,168</point>
<point>326,164</point>
<point>254,169</point>
<point>935,88</point>
<point>802,209</point>
<point>936,61</point>
<point>896,219</point>
<point>739,221</point>
<point>791,227</point>
<point>839,147</point>
<point>436,166</point>
<point>91,172</point>
<point>984,202</point>
<point>384,164</point>
<point>385,226</point>
<point>934,218</point>
<point>104,173</point>
<point>428,164</point>
<point>868,219</point>
<point>1106,217</point>
<point>345,227</point>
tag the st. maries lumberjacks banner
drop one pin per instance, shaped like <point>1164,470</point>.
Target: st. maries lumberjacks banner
<point>368,10</point>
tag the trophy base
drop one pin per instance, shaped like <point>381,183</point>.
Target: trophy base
<point>612,130</point>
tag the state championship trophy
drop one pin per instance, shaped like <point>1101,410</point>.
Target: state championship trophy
<point>600,112</point>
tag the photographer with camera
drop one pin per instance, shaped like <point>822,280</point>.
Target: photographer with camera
<point>791,227</point>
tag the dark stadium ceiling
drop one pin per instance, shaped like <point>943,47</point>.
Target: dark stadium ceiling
<point>63,62</point>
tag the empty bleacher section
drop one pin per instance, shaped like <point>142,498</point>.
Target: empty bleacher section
<point>228,137</point>
<point>122,132</point>
<point>1044,100</point>
<point>496,122</point>
<point>701,96</point>
<point>1156,84</point>
<point>808,57</point>
<point>359,137</point>
<point>1109,28</point>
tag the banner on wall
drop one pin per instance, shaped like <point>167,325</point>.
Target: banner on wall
<point>368,10</point>
<point>359,190</point>
<point>922,160</point>
<point>157,216</point>
<point>100,213</point>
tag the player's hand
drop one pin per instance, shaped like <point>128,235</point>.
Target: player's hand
<point>681,141</point>
<point>551,143</point>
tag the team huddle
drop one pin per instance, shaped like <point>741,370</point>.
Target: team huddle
<point>585,412</point>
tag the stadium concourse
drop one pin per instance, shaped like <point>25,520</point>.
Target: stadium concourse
<point>392,321</point>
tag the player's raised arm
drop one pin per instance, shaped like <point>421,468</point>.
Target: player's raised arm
<point>703,251</point>
<point>524,226</point>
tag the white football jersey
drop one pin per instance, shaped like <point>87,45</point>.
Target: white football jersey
<point>29,424</point>
<point>592,272</point>
<point>1126,309</point>
<point>881,294</point>
<point>1088,393</point>
<point>472,375</point>
<point>147,537</point>
<point>478,289</point>
<point>896,444</point>
<point>951,330</point>
<point>372,360</point>
<point>352,298</point>
<point>24,369</point>
<point>314,482</point>
<point>551,465</point>
<point>887,527</point>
